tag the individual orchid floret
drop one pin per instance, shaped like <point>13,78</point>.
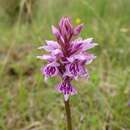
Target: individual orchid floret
<point>50,70</point>
<point>67,57</point>
<point>66,88</point>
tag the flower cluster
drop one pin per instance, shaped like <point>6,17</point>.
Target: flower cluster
<point>67,57</point>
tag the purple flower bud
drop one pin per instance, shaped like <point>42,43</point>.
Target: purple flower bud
<point>66,29</point>
<point>78,29</point>
<point>55,31</point>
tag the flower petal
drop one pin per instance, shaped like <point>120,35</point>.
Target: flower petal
<point>80,45</point>
<point>53,44</point>
<point>88,44</point>
<point>55,31</point>
<point>58,35</point>
<point>47,57</point>
<point>66,97</point>
<point>57,53</point>
<point>89,58</point>
<point>74,91</point>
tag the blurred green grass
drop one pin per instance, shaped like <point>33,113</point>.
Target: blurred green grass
<point>27,103</point>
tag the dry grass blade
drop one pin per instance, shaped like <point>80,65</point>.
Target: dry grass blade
<point>33,126</point>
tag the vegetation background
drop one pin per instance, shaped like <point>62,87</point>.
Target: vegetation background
<point>27,103</point>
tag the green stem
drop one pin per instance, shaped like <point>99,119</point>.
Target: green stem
<point>68,115</point>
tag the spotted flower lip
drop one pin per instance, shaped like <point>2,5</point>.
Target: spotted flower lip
<point>67,56</point>
<point>67,89</point>
<point>50,70</point>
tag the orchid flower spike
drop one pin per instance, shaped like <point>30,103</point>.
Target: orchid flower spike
<point>67,57</point>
